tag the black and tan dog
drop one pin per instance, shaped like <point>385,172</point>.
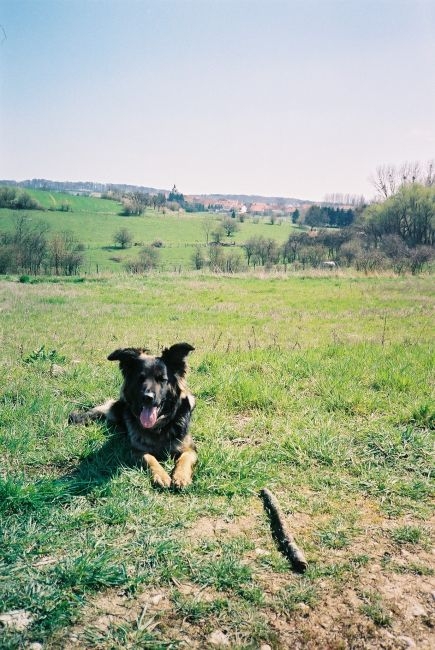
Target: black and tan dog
<point>154,408</point>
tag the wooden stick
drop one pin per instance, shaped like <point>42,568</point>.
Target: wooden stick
<point>281,533</point>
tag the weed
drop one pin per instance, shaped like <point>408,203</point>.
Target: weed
<point>408,535</point>
<point>89,571</point>
<point>42,354</point>
<point>287,599</point>
<point>193,609</point>
<point>374,609</point>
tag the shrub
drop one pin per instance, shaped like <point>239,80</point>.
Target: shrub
<point>147,260</point>
<point>198,258</point>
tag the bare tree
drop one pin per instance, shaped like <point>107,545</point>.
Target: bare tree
<point>388,179</point>
<point>385,180</point>
<point>207,227</point>
<point>409,172</point>
<point>429,174</point>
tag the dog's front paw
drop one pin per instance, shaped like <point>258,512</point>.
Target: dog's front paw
<point>77,418</point>
<point>161,479</point>
<point>181,479</point>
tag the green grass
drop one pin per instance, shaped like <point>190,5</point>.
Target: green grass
<point>375,610</point>
<point>94,221</point>
<point>320,388</point>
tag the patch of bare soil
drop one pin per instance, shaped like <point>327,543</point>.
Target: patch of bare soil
<point>339,621</point>
<point>206,528</point>
<point>384,604</point>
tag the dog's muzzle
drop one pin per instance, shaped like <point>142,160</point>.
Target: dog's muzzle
<point>149,413</point>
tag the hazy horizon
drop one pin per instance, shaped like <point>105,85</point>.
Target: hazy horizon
<point>281,98</point>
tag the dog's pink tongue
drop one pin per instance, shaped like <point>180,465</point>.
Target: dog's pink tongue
<point>148,417</point>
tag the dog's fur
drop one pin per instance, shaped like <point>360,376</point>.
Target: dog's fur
<point>154,408</point>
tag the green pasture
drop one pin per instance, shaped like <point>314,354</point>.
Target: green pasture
<point>94,221</point>
<point>320,388</point>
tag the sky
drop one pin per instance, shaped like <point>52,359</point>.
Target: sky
<point>292,98</point>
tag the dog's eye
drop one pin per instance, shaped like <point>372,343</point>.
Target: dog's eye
<point>162,380</point>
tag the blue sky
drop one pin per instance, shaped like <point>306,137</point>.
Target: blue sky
<point>296,98</point>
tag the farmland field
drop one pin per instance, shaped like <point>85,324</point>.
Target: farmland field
<point>94,221</point>
<point>320,388</point>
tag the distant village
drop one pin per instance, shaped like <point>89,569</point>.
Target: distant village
<point>266,207</point>
<point>226,203</point>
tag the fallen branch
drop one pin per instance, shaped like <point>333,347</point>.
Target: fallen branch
<point>281,533</point>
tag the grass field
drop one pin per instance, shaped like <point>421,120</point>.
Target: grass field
<point>94,222</point>
<point>320,388</point>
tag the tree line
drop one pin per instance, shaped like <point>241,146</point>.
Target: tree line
<point>31,248</point>
<point>324,215</point>
<point>396,232</point>
<point>17,199</point>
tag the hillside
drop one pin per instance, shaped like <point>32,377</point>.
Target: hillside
<point>89,187</point>
<point>94,221</point>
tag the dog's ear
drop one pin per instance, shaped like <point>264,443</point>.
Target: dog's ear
<point>174,357</point>
<point>124,355</point>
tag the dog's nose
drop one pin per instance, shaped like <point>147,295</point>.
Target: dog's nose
<point>148,397</point>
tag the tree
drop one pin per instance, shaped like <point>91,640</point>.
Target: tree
<point>15,199</point>
<point>198,258</point>
<point>233,261</point>
<point>218,235</point>
<point>161,200</point>
<point>65,253</point>
<point>388,179</point>
<point>30,249</point>
<point>410,213</point>
<point>123,237</point>
<point>229,225</point>
<point>207,226</point>
<point>291,247</point>
<point>316,216</point>
<point>134,204</point>
<point>419,257</point>
<point>333,240</point>
<point>217,258</point>
<point>175,195</point>
<point>261,250</point>
<point>296,216</point>
<point>29,243</point>
<point>329,216</point>
<point>157,200</point>
<point>250,248</point>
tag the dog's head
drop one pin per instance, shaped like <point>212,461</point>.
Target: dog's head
<point>150,382</point>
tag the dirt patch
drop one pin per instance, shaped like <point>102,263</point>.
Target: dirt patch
<point>112,609</point>
<point>336,621</point>
<point>345,620</point>
<point>374,594</point>
<point>219,527</point>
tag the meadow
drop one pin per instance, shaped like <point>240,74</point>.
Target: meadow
<point>94,222</point>
<point>319,388</point>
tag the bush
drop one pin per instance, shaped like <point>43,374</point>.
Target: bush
<point>147,260</point>
<point>16,199</point>
<point>198,258</point>
<point>123,237</point>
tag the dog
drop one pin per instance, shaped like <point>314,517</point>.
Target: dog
<point>154,409</point>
